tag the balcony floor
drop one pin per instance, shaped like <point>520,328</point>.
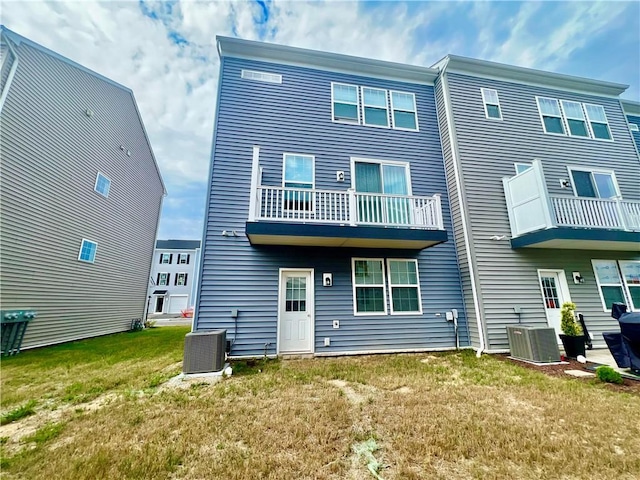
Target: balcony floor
<point>317,235</point>
<point>580,239</point>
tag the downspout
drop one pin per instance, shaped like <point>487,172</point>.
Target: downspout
<point>465,232</point>
<point>12,72</point>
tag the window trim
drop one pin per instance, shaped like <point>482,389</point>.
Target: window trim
<point>357,104</point>
<point>600,285</point>
<point>95,186</point>
<point>168,274</point>
<point>417,286</point>
<point>571,168</point>
<point>630,304</point>
<point>589,121</point>
<point>567,118</point>
<point>415,111</point>
<point>364,106</point>
<point>181,256</point>
<point>354,286</point>
<point>162,255</point>
<point>528,165</point>
<point>95,252</point>
<point>177,279</point>
<point>259,76</point>
<point>407,165</point>
<point>633,127</point>
<point>485,103</point>
<point>562,122</point>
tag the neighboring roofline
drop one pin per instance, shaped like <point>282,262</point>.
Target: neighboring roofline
<point>180,244</point>
<point>18,39</point>
<point>484,68</point>
<point>630,107</point>
<point>270,52</point>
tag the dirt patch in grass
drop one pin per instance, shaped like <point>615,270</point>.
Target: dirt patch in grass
<point>559,371</point>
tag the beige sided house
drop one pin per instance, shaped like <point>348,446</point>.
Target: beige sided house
<point>80,196</point>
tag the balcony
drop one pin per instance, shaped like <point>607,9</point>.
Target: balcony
<point>540,220</point>
<point>342,218</point>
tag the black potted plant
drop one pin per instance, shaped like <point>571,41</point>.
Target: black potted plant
<point>573,339</point>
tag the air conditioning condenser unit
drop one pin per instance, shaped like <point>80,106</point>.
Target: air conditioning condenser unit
<point>204,351</point>
<point>534,344</point>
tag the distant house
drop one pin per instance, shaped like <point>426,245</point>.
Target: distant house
<point>174,276</point>
<point>328,225</point>
<point>80,196</point>
<point>544,182</point>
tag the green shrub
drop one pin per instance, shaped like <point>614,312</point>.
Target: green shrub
<point>568,323</point>
<point>609,375</point>
<point>18,413</point>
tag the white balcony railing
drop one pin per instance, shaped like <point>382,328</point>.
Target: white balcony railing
<point>531,208</point>
<point>347,207</point>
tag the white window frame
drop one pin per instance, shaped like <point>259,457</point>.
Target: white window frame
<point>95,253</point>
<point>95,186</point>
<point>414,111</point>
<point>417,286</point>
<point>162,257</point>
<point>589,121</point>
<point>625,293</point>
<point>630,304</point>
<point>634,127</point>
<point>571,168</point>
<point>354,286</point>
<point>312,205</point>
<point>364,106</point>
<point>485,102</point>
<point>261,76</point>
<point>160,274</point>
<point>357,104</point>
<point>182,275</point>
<point>406,165</point>
<point>521,164</point>
<point>567,118</point>
<point>182,256</point>
<point>561,117</point>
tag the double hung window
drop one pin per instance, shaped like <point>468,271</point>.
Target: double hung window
<point>404,290</point>
<point>551,115</point>
<point>183,258</point>
<point>598,121</point>
<point>369,286</point>
<point>344,103</point>
<point>403,106</point>
<point>491,103</point>
<point>181,279</point>
<point>163,278</point>
<point>298,177</point>
<point>618,282</point>
<point>575,119</point>
<point>374,103</point>
<point>166,258</point>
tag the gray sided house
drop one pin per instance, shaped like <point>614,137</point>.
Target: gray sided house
<point>544,183</point>
<point>632,111</point>
<point>328,227</point>
<point>174,276</point>
<point>80,197</point>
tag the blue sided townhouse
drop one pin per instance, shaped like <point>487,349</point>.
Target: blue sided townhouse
<point>328,225</point>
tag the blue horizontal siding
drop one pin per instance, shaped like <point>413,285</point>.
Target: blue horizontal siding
<point>295,117</point>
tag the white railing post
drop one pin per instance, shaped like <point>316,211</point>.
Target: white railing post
<point>544,194</point>
<point>622,214</point>
<point>255,172</point>
<point>438,211</point>
<point>353,207</point>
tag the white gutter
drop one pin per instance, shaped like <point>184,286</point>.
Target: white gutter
<point>12,72</point>
<point>465,232</point>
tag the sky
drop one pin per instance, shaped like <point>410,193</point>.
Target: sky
<point>166,53</point>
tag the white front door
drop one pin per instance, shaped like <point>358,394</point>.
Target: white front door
<point>295,319</point>
<point>555,292</point>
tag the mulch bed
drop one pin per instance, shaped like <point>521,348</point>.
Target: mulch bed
<point>629,386</point>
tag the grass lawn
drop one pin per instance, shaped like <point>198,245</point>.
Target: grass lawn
<point>100,409</point>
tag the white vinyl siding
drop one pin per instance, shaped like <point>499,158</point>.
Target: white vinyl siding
<point>491,103</point>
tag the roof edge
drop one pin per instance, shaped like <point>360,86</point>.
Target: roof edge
<point>458,64</point>
<point>239,48</point>
<point>630,107</point>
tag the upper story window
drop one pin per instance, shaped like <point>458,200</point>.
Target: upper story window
<point>575,118</point>
<point>183,259</point>
<point>181,279</point>
<point>103,184</point>
<point>633,127</point>
<point>163,278</point>
<point>551,115</point>
<point>521,167</point>
<point>261,76</point>
<point>598,121</point>
<point>166,258</point>
<point>403,107</point>
<point>594,183</point>
<point>491,103</point>
<point>344,103</point>
<point>374,105</point>
<point>88,251</point>
<point>298,174</point>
